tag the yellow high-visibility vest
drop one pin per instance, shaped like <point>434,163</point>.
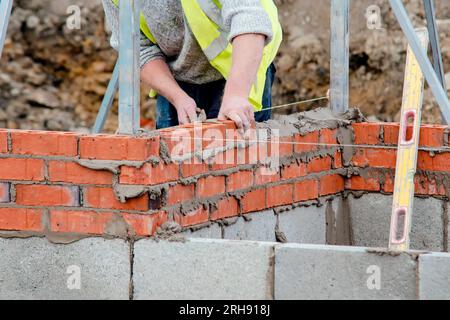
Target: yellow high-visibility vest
<point>203,17</point>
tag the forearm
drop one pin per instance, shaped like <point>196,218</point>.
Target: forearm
<point>158,76</point>
<point>247,56</point>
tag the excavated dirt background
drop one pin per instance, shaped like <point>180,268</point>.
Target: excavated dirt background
<point>54,78</point>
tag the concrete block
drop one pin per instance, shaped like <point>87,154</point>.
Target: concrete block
<point>203,269</point>
<point>214,231</point>
<point>371,218</point>
<point>326,272</point>
<point>34,268</point>
<point>304,225</point>
<point>260,227</point>
<point>447,219</point>
<point>434,276</point>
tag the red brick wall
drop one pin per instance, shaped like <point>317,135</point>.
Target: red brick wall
<point>44,188</point>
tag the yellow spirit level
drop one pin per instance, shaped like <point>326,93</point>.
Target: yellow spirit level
<point>408,144</point>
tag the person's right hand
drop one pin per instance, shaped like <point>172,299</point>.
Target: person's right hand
<point>186,109</point>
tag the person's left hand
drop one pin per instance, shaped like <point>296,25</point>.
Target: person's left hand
<point>239,110</point>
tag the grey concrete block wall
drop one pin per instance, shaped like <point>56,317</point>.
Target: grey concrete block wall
<point>213,231</point>
<point>203,269</point>
<point>447,230</point>
<point>326,272</point>
<point>34,268</point>
<point>304,225</point>
<point>434,276</point>
<point>371,215</point>
<point>255,227</point>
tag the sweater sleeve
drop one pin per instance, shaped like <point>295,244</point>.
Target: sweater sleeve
<point>246,16</point>
<point>148,50</point>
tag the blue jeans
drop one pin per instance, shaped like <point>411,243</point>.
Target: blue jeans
<point>208,97</point>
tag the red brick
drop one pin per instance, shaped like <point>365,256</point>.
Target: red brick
<point>191,168</point>
<point>72,172</point>
<point>359,183</point>
<point>145,225</point>
<point>263,148</point>
<point>388,183</point>
<point>318,165</point>
<point>199,216</point>
<point>90,222</point>
<point>331,184</point>
<point>264,175</point>
<point>375,158</point>
<point>239,180</point>
<point>226,208</point>
<point>391,133</point>
<point>44,143</point>
<point>84,222</point>
<point>22,169</point>
<point>306,190</point>
<point>180,193</point>
<point>438,162</point>
<point>254,201</point>
<point>210,186</point>
<point>19,219</point>
<point>280,195</point>
<point>3,142</point>
<point>4,192</point>
<point>233,136</point>
<point>254,154</point>
<point>337,160</point>
<point>367,133</point>
<point>181,141</point>
<point>149,174</point>
<point>283,147</point>
<point>307,143</point>
<point>109,147</point>
<point>224,160</point>
<point>432,136</point>
<point>424,186</point>
<point>213,135</point>
<point>104,198</point>
<point>293,171</point>
<point>328,137</point>
<point>45,195</point>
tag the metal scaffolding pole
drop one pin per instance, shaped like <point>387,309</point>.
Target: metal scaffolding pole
<point>107,101</point>
<point>129,67</point>
<point>430,13</point>
<point>339,91</point>
<point>5,13</point>
<point>422,58</point>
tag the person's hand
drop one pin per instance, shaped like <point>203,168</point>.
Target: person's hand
<point>239,110</point>
<point>186,109</point>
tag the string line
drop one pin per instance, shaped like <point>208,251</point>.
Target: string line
<point>361,146</point>
<point>295,103</point>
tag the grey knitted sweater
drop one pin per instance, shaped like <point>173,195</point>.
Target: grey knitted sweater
<point>176,43</point>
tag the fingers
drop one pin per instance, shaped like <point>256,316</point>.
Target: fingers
<point>183,117</point>
<point>234,116</point>
<point>192,114</point>
<point>250,113</point>
<point>241,120</point>
<point>186,111</point>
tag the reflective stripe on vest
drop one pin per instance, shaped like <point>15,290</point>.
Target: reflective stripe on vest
<point>201,14</point>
